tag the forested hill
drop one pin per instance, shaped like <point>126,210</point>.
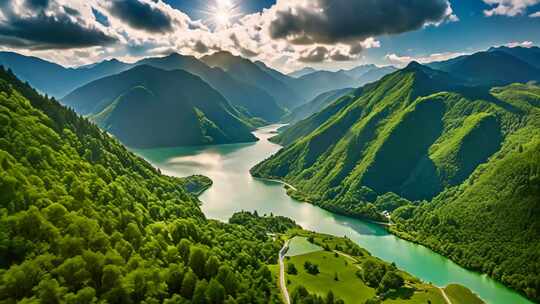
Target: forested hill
<point>150,107</point>
<point>458,167</point>
<point>84,220</point>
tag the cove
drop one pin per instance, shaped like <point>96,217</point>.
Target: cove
<point>234,189</point>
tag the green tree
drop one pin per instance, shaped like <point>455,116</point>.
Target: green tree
<point>215,292</point>
<point>199,295</point>
<point>188,284</point>
<point>197,261</point>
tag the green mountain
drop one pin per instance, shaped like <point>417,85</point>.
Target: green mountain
<point>491,68</point>
<point>250,99</point>
<point>85,221</point>
<point>456,166</point>
<point>150,107</point>
<point>54,79</point>
<point>314,106</point>
<point>404,124</point>
<point>246,71</point>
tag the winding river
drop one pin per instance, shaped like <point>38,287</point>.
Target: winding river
<point>234,190</point>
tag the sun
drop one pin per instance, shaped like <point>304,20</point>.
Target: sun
<point>222,13</point>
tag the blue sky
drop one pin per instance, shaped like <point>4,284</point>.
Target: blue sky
<point>287,35</point>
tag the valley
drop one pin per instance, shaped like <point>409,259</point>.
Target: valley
<point>234,190</point>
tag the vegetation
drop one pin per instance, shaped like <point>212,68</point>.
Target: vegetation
<point>458,294</point>
<point>314,106</point>
<point>456,166</point>
<point>361,278</point>
<point>143,106</point>
<point>83,220</point>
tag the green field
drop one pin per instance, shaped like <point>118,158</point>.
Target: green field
<point>334,255</point>
<point>299,245</point>
<point>459,294</point>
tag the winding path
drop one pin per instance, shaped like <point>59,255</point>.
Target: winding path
<point>282,282</point>
<point>445,296</point>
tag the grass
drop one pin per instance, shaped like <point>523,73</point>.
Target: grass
<point>461,295</point>
<point>422,294</point>
<point>349,287</point>
<point>299,245</point>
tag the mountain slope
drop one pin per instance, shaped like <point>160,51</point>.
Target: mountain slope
<point>314,106</point>
<point>427,143</point>
<point>490,223</point>
<point>246,71</point>
<point>149,107</point>
<point>55,79</point>
<point>85,221</point>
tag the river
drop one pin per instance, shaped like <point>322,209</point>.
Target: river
<point>234,190</point>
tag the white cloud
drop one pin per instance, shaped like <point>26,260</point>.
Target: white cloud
<point>526,44</point>
<point>535,15</point>
<point>509,8</point>
<point>404,60</point>
<point>134,37</point>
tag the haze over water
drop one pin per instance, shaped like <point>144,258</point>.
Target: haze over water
<point>234,190</point>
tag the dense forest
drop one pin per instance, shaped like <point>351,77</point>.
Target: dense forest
<point>84,220</point>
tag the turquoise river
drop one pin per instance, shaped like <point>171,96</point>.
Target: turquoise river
<point>234,190</point>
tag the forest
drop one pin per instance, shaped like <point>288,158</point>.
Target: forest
<point>84,220</point>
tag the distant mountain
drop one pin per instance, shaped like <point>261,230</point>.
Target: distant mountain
<point>54,79</point>
<point>302,72</point>
<point>246,71</point>
<point>360,70</point>
<point>314,106</point>
<point>490,68</point>
<point>375,74</point>
<point>314,84</point>
<point>150,107</point>
<point>529,55</point>
<point>253,101</point>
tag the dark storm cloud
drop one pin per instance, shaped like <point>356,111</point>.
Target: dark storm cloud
<point>37,4</point>
<point>142,16</point>
<point>347,20</point>
<point>49,32</point>
<point>318,54</point>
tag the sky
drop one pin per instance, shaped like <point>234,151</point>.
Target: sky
<point>285,34</point>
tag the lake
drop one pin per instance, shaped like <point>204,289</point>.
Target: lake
<point>234,190</point>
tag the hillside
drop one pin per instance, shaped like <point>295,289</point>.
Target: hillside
<point>84,221</point>
<point>339,158</point>
<point>490,222</point>
<point>375,74</point>
<point>149,107</point>
<point>246,71</point>
<point>314,106</point>
<point>54,79</point>
<point>302,72</point>
<point>470,154</point>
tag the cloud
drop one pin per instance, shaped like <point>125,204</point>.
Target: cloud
<point>525,44</point>
<point>535,15</point>
<point>316,54</point>
<point>142,15</point>
<point>332,21</point>
<point>508,8</point>
<point>404,60</point>
<point>58,28</point>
